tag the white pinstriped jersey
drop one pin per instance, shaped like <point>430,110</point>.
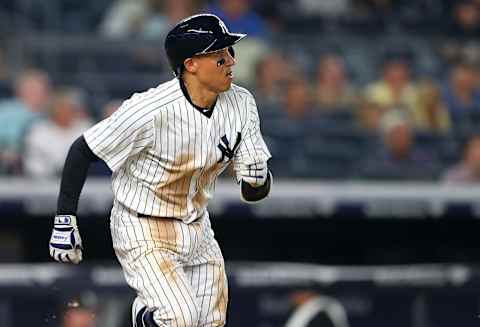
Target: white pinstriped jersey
<point>165,154</point>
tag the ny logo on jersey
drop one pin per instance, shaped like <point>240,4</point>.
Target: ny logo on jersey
<point>224,147</point>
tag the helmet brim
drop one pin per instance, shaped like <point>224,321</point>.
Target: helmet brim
<point>226,42</point>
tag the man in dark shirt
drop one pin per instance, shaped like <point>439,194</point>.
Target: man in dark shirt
<point>397,158</point>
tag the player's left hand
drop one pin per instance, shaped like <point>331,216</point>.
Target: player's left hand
<point>65,242</point>
<point>254,174</point>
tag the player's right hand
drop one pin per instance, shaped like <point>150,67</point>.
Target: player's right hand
<point>254,173</point>
<point>65,242</point>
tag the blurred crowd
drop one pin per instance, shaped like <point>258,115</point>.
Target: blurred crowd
<point>372,108</point>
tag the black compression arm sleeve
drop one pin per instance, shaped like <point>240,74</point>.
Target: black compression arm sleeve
<point>73,177</point>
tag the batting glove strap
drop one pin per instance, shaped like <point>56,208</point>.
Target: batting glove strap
<point>254,174</point>
<point>65,242</point>
<point>65,220</point>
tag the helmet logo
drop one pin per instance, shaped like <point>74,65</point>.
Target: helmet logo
<point>223,26</point>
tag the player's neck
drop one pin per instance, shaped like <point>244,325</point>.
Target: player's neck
<point>199,95</point>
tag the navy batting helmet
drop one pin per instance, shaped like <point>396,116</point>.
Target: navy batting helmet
<point>198,34</point>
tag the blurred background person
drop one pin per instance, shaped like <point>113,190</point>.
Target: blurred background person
<point>461,93</point>
<point>124,18</point>
<point>397,157</point>
<point>433,112</point>
<point>333,90</point>
<point>467,171</point>
<point>147,19</point>
<point>271,74</point>
<point>297,104</point>
<point>163,15</point>
<point>32,95</point>
<point>395,89</point>
<point>239,15</point>
<point>465,20</point>
<point>48,141</point>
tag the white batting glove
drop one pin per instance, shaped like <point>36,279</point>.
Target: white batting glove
<point>65,242</point>
<point>254,174</point>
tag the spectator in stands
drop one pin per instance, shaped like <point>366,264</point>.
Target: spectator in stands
<point>465,21</point>
<point>297,101</point>
<point>468,170</point>
<point>461,93</point>
<point>163,15</point>
<point>333,91</point>
<point>397,158</point>
<point>32,94</point>
<point>48,141</point>
<point>434,113</point>
<point>124,18</point>
<point>395,89</point>
<point>272,72</point>
<point>240,16</point>
<point>149,19</point>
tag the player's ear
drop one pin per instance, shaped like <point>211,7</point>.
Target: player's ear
<point>190,65</point>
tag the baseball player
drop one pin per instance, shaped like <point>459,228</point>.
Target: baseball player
<point>166,147</point>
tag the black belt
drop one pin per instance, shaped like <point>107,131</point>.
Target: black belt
<point>142,215</point>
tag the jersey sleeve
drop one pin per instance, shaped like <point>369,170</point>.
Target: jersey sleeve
<point>252,148</point>
<point>124,134</point>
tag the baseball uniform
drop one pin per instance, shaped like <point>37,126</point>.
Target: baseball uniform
<point>165,156</point>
